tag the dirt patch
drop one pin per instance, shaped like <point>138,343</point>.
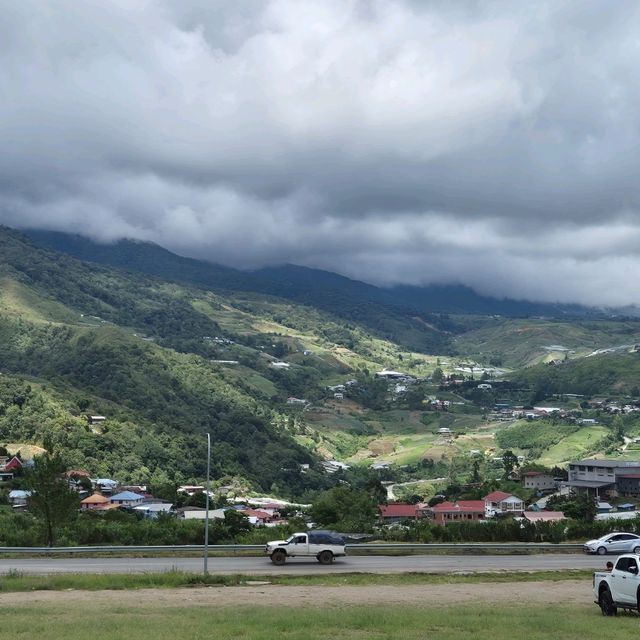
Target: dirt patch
<point>571,592</point>
<point>382,447</point>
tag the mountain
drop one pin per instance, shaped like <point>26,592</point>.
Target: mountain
<point>79,339</point>
<point>331,291</point>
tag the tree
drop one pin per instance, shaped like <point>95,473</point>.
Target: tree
<point>509,463</point>
<point>51,499</point>
<point>437,375</point>
<point>345,509</point>
<point>475,473</point>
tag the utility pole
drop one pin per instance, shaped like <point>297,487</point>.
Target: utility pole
<point>206,515</point>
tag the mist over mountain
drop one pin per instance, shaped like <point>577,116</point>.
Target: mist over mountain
<point>321,288</point>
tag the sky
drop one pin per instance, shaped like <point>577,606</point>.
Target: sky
<point>492,144</point>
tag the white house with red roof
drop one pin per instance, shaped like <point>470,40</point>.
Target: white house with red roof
<point>498,503</point>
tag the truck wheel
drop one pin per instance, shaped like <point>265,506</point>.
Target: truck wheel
<point>602,551</point>
<point>606,603</point>
<point>325,557</point>
<point>278,557</point>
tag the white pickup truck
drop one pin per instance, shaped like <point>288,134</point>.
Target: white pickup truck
<point>620,587</point>
<point>323,545</point>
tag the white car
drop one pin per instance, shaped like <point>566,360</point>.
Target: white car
<point>617,542</point>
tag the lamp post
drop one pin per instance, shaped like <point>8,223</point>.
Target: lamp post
<point>206,515</point>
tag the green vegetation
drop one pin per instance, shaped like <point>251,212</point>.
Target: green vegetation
<point>534,437</point>
<point>14,581</point>
<point>430,619</point>
<point>180,349</point>
<point>603,375</point>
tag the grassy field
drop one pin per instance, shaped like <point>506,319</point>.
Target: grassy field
<point>297,607</point>
<point>498,622</point>
<point>14,581</point>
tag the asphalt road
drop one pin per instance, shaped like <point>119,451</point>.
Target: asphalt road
<point>303,566</point>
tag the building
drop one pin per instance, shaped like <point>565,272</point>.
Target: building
<point>127,499</point>
<point>18,499</point>
<point>538,480</point>
<point>605,477</point>
<point>94,501</point>
<point>458,511</point>
<point>398,512</point>
<point>499,503</point>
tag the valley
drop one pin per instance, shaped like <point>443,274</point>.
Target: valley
<point>285,385</point>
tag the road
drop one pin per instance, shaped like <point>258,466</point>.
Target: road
<point>300,566</point>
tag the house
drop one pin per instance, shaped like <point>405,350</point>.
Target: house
<point>257,517</point>
<point>499,503</point>
<point>331,466</point>
<point>485,385</point>
<point>338,395</point>
<point>391,375</point>
<point>95,501</point>
<point>293,400</point>
<point>127,499</point>
<point>104,485</point>
<point>458,511</point>
<point>191,489</point>
<point>96,419</point>
<point>398,512</point>
<point>200,513</point>
<point>280,365</point>
<point>18,498</point>
<point>538,480</point>
<point>154,509</point>
<point>13,466</point>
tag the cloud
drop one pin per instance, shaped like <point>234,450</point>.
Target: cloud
<point>494,144</point>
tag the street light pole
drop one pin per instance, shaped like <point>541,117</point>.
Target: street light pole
<point>206,515</point>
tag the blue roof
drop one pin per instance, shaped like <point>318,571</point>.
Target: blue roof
<point>127,495</point>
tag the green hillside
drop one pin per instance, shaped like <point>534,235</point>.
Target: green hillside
<point>524,342</point>
<point>603,374</point>
<point>167,362</point>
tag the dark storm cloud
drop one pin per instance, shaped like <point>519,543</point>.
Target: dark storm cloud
<point>490,143</point>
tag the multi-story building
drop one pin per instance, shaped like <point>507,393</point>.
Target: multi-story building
<point>605,477</point>
<point>538,480</point>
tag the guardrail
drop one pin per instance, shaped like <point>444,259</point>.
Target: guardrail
<point>379,547</point>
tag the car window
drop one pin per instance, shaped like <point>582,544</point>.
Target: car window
<point>615,538</point>
<point>632,565</point>
<point>622,564</point>
<point>626,536</point>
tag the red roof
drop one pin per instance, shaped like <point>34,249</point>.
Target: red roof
<point>461,506</point>
<point>497,496</point>
<point>14,463</point>
<point>398,510</point>
<point>534,473</point>
<point>254,513</point>
<point>630,475</point>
